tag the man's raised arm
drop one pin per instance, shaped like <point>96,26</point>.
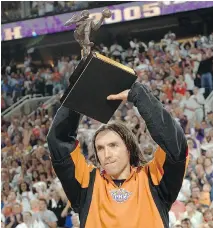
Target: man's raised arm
<point>168,166</point>
<point>67,159</point>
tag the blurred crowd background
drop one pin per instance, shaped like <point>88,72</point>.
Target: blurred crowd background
<point>12,11</point>
<point>180,74</point>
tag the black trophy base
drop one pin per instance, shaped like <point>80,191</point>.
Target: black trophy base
<point>93,80</point>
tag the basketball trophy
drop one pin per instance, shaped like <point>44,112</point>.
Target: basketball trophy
<point>96,76</point>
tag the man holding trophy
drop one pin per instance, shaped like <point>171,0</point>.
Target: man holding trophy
<point>124,191</point>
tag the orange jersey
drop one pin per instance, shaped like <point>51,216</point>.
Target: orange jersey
<point>145,197</point>
<point>136,202</point>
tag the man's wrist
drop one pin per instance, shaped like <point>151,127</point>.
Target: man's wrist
<point>133,92</point>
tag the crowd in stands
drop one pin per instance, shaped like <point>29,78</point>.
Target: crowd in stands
<point>11,11</point>
<point>43,8</point>
<point>180,76</point>
<point>30,80</point>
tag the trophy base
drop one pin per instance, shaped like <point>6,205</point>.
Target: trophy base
<point>93,80</point>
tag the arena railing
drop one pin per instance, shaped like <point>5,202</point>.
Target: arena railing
<point>14,105</point>
<point>24,106</point>
<point>46,105</point>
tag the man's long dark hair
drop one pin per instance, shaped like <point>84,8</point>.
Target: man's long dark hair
<point>136,156</point>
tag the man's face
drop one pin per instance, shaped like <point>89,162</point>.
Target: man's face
<point>203,124</point>
<point>15,164</point>
<point>112,154</point>
<point>16,209</point>
<point>4,176</point>
<point>208,216</point>
<point>42,178</point>
<point>199,170</point>
<point>6,186</point>
<point>187,94</point>
<point>195,91</point>
<point>206,188</point>
<point>210,116</point>
<point>195,192</point>
<point>186,224</point>
<point>42,205</point>
<point>75,220</point>
<point>23,187</point>
<point>190,207</point>
<point>12,196</point>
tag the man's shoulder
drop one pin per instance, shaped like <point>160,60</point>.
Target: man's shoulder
<point>49,212</point>
<point>50,215</point>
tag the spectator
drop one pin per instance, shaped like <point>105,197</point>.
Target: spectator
<point>45,215</point>
<point>25,196</point>
<point>210,119</point>
<point>189,79</point>
<point>205,196</point>
<point>185,192</point>
<point>116,50</point>
<point>208,217</point>
<point>199,99</point>
<point>28,221</point>
<point>180,86</point>
<point>57,206</point>
<point>49,7</point>
<point>191,216</point>
<point>49,83</point>
<point>205,72</point>
<point>186,223</point>
<point>15,218</point>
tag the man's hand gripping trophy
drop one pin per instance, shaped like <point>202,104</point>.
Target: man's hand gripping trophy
<point>84,25</point>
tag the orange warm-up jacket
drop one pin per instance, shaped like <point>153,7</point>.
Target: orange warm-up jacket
<point>145,197</point>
